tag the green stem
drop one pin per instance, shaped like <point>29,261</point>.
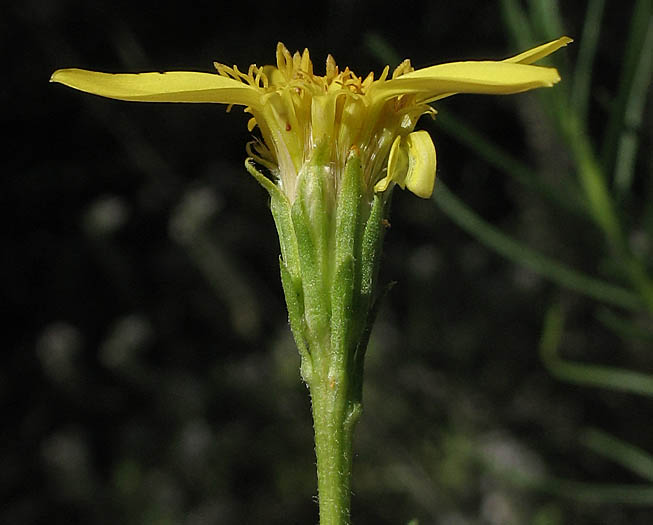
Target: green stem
<point>333,449</point>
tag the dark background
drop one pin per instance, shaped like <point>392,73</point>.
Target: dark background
<point>148,374</point>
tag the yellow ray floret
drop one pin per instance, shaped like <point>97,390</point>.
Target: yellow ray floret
<point>173,86</point>
<point>493,78</point>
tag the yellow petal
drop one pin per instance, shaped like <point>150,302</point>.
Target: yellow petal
<point>493,78</point>
<point>535,54</point>
<point>173,86</point>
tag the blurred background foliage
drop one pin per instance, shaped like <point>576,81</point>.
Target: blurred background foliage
<point>149,376</point>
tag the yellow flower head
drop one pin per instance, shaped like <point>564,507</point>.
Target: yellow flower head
<point>300,113</point>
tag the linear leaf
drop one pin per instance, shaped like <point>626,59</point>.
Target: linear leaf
<point>517,21</point>
<point>625,454</point>
<point>634,47</point>
<point>633,116</point>
<point>545,16</point>
<point>586,374</point>
<point>625,328</point>
<point>523,255</point>
<point>500,159</point>
<point>588,43</point>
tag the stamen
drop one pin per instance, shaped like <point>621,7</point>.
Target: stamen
<point>231,72</point>
<point>296,64</point>
<point>240,75</point>
<point>368,81</point>
<point>261,156</point>
<point>222,69</point>
<point>264,78</point>
<point>331,69</point>
<point>251,75</point>
<point>402,69</point>
<point>284,61</point>
<point>384,74</point>
<point>307,65</point>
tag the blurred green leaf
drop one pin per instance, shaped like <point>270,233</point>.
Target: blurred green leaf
<point>495,156</point>
<point>523,255</point>
<point>540,23</point>
<point>586,55</point>
<point>634,48</point>
<point>601,494</point>
<point>598,493</point>
<point>546,19</point>
<point>550,514</point>
<point>586,374</point>
<point>624,328</point>
<point>633,116</point>
<point>594,493</point>
<point>381,49</point>
<point>592,178</point>
<point>518,23</point>
<point>628,456</point>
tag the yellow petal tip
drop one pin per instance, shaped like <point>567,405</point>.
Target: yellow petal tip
<point>61,76</point>
<point>53,77</point>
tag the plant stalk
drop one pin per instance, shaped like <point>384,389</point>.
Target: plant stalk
<point>333,450</point>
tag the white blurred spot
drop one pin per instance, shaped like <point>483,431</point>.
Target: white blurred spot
<point>425,262</point>
<point>65,451</point>
<point>67,459</point>
<point>192,213</point>
<point>510,456</point>
<point>105,216</point>
<point>194,443</point>
<point>497,509</point>
<point>56,348</point>
<point>128,336</point>
<point>640,243</point>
